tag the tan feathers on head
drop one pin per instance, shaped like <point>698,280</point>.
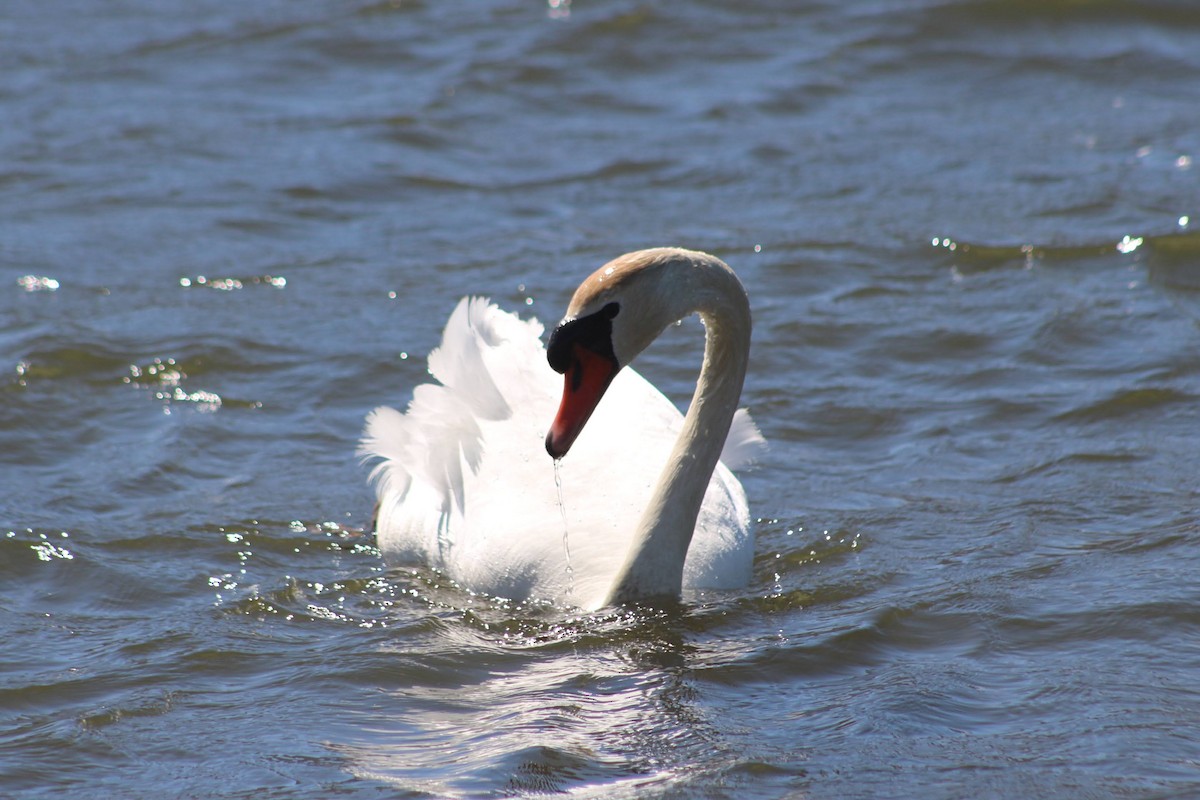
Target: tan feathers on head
<point>617,274</point>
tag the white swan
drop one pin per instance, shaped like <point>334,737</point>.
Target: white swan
<point>465,485</point>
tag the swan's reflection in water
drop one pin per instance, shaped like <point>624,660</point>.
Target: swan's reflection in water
<point>585,706</point>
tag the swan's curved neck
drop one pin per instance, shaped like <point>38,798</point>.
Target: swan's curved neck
<point>654,567</point>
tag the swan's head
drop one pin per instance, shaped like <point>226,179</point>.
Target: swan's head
<point>614,315</point>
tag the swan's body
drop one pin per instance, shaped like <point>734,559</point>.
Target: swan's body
<point>465,484</point>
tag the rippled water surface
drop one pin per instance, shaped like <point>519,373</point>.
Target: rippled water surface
<point>228,231</point>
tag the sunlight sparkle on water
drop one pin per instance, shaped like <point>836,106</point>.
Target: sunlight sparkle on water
<point>163,372</point>
<point>48,551</point>
<point>205,401</point>
<point>1129,243</point>
<point>232,284</point>
<point>35,283</point>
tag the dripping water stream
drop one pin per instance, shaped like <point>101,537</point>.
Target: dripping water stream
<point>562,508</point>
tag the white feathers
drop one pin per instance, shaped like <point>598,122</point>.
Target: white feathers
<point>439,434</point>
<point>475,328</point>
<point>744,444</point>
<point>465,484</point>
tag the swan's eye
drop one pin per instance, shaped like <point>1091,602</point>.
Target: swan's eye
<point>592,333</point>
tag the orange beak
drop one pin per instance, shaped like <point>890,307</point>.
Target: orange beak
<point>584,383</point>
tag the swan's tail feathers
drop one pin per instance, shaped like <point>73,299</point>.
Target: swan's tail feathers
<point>745,444</point>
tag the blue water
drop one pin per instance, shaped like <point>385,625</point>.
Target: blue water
<point>968,230</point>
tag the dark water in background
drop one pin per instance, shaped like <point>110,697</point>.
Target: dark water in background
<point>227,231</point>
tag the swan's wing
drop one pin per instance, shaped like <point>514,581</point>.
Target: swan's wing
<point>481,348</point>
<point>721,555</point>
<point>439,434</point>
<point>744,444</point>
